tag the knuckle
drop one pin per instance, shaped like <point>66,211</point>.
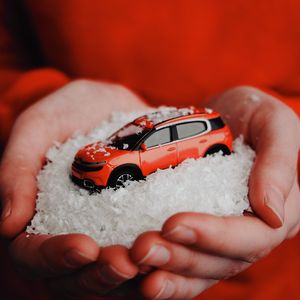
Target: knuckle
<point>255,256</point>
<point>152,284</point>
<point>235,269</point>
<point>142,245</point>
<point>251,258</point>
<point>185,219</point>
<point>148,237</point>
<point>175,220</point>
<point>269,241</point>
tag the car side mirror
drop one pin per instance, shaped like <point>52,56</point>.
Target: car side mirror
<point>144,147</point>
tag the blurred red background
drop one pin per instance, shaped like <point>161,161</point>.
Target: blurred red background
<point>169,52</point>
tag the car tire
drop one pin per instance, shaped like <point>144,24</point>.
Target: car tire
<point>216,148</point>
<point>121,178</point>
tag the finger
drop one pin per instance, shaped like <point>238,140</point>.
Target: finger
<point>112,269</point>
<point>245,238</point>
<point>46,256</point>
<point>165,285</point>
<point>117,258</point>
<point>274,131</point>
<point>152,250</point>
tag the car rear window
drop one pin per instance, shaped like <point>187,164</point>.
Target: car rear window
<point>216,123</point>
<point>190,129</point>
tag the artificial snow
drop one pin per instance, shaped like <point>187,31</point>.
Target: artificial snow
<point>216,185</point>
<point>167,112</point>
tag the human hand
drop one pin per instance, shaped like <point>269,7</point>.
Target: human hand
<point>193,251</point>
<point>73,264</point>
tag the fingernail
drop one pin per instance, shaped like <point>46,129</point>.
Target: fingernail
<point>167,291</point>
<point>275,201</point>
<point>75,259</point>
<point>110,275</point>
<point>181,234</point>
<point>158,255</point>
<point>6,211</point>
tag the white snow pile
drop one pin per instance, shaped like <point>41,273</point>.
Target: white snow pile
<point>216,185</point>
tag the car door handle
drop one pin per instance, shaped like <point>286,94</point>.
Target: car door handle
<point>171,149</point>
<point>203,141</point>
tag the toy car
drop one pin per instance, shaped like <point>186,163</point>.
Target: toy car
<point>158,140</point>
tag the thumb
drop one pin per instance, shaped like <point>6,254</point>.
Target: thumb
<point>274,132</point>
<point>18,192</point>
<point>22,160</point>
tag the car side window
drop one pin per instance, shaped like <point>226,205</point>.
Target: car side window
<point>159,137</point>
<point>190,129</point>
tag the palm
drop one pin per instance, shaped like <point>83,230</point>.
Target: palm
<point>196,249</point>
<point>259,117</point>
<point>79,106</point>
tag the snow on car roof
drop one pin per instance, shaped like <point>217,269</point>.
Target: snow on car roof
<point>166,113</point>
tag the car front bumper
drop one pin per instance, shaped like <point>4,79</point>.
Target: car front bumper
<point>86,184</point>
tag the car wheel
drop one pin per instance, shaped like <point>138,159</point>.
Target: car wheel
<point>122,178</point>
<point>216,148</point>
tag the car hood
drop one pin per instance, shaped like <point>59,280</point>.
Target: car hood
<point>97,152</point>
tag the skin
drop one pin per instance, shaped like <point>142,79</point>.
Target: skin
<point>192,251</point>
<point>73,265</point>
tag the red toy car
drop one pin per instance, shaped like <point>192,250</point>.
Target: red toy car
<point>154,141</point>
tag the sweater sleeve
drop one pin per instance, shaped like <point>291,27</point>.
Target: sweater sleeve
<point>22,80</point>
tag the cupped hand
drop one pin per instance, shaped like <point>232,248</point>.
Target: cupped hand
<point>74,264</point>
<point>193,251</point>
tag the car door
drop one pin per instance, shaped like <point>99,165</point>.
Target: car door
<point>161,151</point>
<point>192,139</point>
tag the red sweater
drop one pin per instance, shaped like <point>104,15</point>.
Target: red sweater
<point>170,52</point>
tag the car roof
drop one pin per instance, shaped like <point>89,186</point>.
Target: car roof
<point>170,115</point>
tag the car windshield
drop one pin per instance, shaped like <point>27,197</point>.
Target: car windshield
<point>127,137</point>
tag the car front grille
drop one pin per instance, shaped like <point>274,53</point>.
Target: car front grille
<point>86,168</point>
